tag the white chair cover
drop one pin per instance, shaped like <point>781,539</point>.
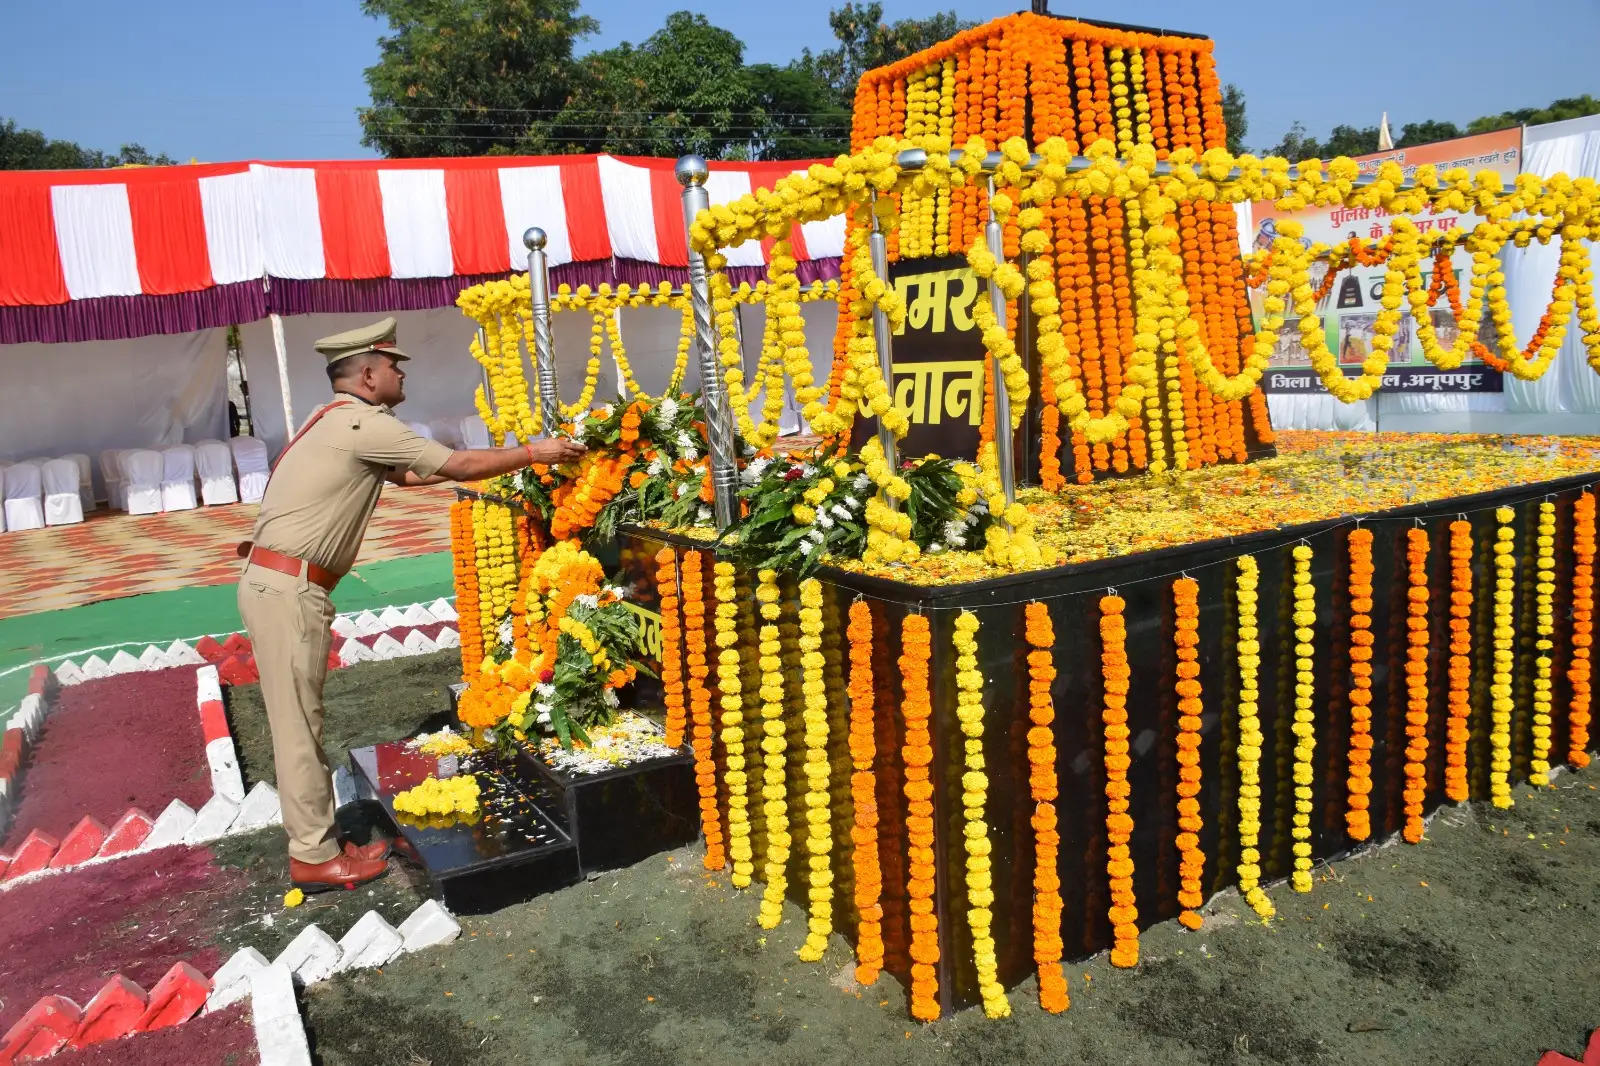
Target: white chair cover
<point>111,474</point>
<point>85,480</point>
<point>3,466</point>
<point>24,498</point>
<point>62,504</point>
<point>421,429</point>
<point>141,472</point>
<point>215,463</point>
<point>177,478</point>
<point>250,458</point>
<point>474,434</point>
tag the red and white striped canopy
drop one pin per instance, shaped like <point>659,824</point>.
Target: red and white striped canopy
<point>74,235</point>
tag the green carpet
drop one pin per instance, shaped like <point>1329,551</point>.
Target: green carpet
<point>182,614</point>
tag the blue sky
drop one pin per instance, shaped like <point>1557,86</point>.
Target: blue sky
<point>221,79</point>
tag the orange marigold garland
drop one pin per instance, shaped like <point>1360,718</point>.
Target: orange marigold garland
<point>1458,728</point>
<point>671,645</point>
<point>1416,768</point>
<point>1579,671</point>
<point>1047,946</point>
<point>863,796</point>
<point>917,754</point>
<point>705,770</point>
<point>1357,817</point>
<point>1192,861</point>
<point>463,557</point>
<point>1123,913</point>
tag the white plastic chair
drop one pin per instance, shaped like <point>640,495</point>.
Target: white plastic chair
<point>177,478</point>
<point>215,463</point>
<point>24,498</point>
<point>111,474</point>
<point>62,504</point>
<point>474,434</point>
<point>250,459</point>
<point>85,480</point>
<point>141,472</point>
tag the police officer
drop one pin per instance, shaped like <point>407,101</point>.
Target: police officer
<point>319,498</point>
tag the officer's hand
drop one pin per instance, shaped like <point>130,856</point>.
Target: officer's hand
<point>555,451</point>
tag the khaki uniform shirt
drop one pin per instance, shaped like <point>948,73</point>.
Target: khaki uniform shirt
<point>324,489</point>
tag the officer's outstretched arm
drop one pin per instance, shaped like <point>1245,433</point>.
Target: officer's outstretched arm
<point>475,464</point>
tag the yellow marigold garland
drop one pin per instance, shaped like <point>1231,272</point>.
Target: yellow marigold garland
<point>1458,729</point>
<point>1248,656</point>
<point>705,769</point>
<point>917,754</point>
<point>1186,635</point>
<point>1545,631</point>
<point>1114,669</point>
<point>864,797</point>
<point>1305,620</point>
<point>1579,671</point>
<point>1358,782</point>
<point>1047,906</point>
<point>974,796</point>
<point>1505,635</point>
<point>774,745</point>
<point>1416,766</point>
<point>671,645</point>
<point>819,838</point>
<point>730,686</point>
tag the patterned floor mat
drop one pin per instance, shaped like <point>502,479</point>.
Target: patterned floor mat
<point>114,554</point>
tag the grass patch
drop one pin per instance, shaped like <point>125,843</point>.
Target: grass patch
<point>364,704</point>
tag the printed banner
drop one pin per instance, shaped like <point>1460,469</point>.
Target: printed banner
<point>1350,308</point>
<point>938,359</point>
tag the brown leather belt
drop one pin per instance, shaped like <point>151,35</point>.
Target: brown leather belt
<point>288,564</point>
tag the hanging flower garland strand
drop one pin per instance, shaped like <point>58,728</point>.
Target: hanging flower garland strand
<point>1047,905</point>
<point>671,646</point>
<point>1357,817</point>
<point>1505,636</point>
<point>730,687</point>
<point>1579,672</point>
<point>1119,823</point>
<point>774,751</point>
<point>864,797</point>
<point>1192,861</point>
<point>974,798</point>
<point>1416,767</point>
<point>1458,727</point>
<point>819,836</point>
<point>1250,738</point>
<point>1305,620</point>
<point>1544,590</point>
<point>705,769</point>
<point>917,754</point>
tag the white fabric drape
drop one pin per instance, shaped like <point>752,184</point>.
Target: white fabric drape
<point>93,396</point>
<point>289,222</point>
<point>625,190</point>
<point>94,232</point>
<point>416,223</point>
<point>233,235</point>
<point>726,186</point>
<point>532,196</point>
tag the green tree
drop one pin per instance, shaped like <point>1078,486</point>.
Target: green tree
<point>1296,145</point>
<point>797,113</point>
<point>1415,133</point>
<point>866,41</point>
<point>685,89</point>
<point>1348,140</point>
<point>466,77</point>
<point>1233,117</point>
<point>1558,111</point>
<point>22,149</point>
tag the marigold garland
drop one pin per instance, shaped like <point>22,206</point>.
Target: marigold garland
<point>1047,905</point>
<point>1578,672</point>
<point>1186,636</point>
<point>819,838</point>
<point>1305,620</point>
<point>1248,656</point>
<point>917,755</point>
<point>1505,635</point>
<point>730,687</point>
<point>1545,628</point>
<point>1114,670</point>
<point>672,691</point>
<point>774,749</point>
<point>1416,767</point>
<point>705,770</point>
<point>1458,727</point>
<point>974,797</point>
<point>463,558</point>
<point>864,796</point>
<point>1358,782</point>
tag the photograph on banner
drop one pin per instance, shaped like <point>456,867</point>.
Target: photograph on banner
<point>1350,307</point>
<point>938,359</point>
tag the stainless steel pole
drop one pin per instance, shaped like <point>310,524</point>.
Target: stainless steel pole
<point>692,172</point>
<point>997,303</point>
<point>544,350</point>
<point>878,245</point>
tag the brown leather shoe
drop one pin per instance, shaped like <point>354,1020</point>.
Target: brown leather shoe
<point>376,848</point>
<point>341,871</point>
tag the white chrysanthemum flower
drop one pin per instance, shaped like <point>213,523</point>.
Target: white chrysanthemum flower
<point>754,472</point>
<point>688,445</point>
<point>610,696</point>
<point>842,511</point>
<point>955,531</point>
<point>683,489</point>
<point>606,410</point>
<point>543,716</point>
<point>668,408</point>
<point>816,535</point>
<point>656,467</point>
<point>504,632</point>
<point>851,503</point>
<point>805,547</point>
<point>545,691</point>
<point>971,519</point>
<point>824,520</point>
<point>704,514</point>
<point>935,548</point>
<point>619,592</point>
<point>807,469</point>
<point>861,482</point>
<point>586,600</point>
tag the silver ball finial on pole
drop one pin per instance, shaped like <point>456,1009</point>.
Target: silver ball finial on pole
<point>691,170</point>
<point>534,238</point>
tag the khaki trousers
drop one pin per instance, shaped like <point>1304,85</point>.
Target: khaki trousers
<point>288,619</point>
